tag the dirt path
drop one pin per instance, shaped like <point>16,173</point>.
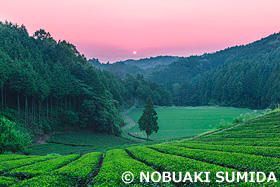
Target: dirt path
<point>130,123</point>
<point>41,139</point>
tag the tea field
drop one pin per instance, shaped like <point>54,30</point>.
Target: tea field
<point>80,142</point>
<point>252,146</point>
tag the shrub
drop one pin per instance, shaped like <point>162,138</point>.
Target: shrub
<point>48,180</point>
<point>237,120</point>
<point>12,139</point>
<point>7,181</point>
<point>69,118</point>
<point>43,167</point>
<point>82,167</point>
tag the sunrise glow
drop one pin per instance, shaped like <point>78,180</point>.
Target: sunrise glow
<point>109,29</point>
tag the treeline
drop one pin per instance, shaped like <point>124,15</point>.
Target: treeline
<point>135,87</point>
<point>134,67</point>
<point>253,84</point>
<point>142,89</point>
<point>120,68</point>
<point>48,85</point>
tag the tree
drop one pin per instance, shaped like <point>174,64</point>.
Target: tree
<point>4,74</point>
<point>148,120</point>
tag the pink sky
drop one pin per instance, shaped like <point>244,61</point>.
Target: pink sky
<point>111,30</point>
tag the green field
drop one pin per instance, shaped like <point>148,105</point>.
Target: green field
<point>250,146</point>
<point>177,122</point>
<point>76,143</point>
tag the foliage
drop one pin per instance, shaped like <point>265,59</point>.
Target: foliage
<point>48,180</point>
<point>48,81</point>
<point>88,163</point>
<point>142,89</point>
<point>148,120</point>
<point>240,76</point>
<point>238,161</point>
<point>115,163</point>
<point>8,157</point>
<point>43,167</point>
<point>10,138</point>
<point>232,150</point>
<point>167,162</point>
<point>10,164</point>
<point>89,139</point>
<point>7,181</point>
<point>69,119</point>
<point>79,143</point>
<point>254,150</point>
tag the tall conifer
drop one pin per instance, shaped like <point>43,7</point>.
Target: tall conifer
<point>148,120</point>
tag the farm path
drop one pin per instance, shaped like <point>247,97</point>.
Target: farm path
<point>41,139</point>
<point>131,123</point>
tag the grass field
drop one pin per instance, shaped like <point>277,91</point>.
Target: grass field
<point>177,122</point>
<point>251,146</point>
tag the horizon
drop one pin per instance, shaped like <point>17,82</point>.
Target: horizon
<point>188,55</point>
<point>117,31</point>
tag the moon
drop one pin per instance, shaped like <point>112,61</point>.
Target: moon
<point>134,52</point>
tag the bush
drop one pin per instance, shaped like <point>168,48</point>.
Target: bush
<point>12,139</point>
<point>237,120</point>
<point>10,114</point>
<point>69,119</point>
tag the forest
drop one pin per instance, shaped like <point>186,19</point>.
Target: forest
<point>47,85</point>
<point>244,76</point>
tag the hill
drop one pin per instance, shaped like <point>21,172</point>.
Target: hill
<point>240,76</point>
<point>120,69</point>
<point>152,62</point>
<point>47,85</point>
<point>134,67</point>
<point>247,77</point>
<point>187,68</point>
<point>252,145</point>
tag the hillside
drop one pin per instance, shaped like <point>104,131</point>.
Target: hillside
<point>186,68</point>
<point>47,85</point>
<point>241,76</point>
<point>252,145</point>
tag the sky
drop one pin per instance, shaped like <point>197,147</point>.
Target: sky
<point>113,30</point>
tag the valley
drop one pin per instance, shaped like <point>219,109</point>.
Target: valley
<point>234,150</point>
<point>66,120</point>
